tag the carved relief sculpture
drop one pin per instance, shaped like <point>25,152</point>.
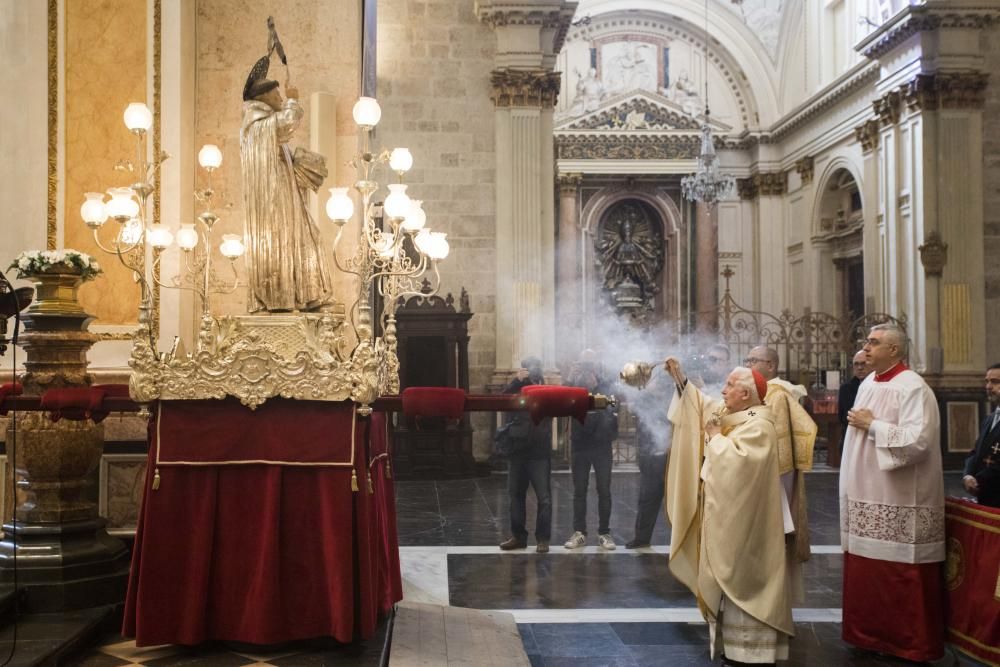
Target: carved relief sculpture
<point>629,250</point>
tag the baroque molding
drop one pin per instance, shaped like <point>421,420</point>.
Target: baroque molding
<point>745,188</point>
<point>805,168</point>
<point>887,108</point>
<point>569,183</point>
<point>945,90</point>
<point>933,254</point>
<point>762,184</point>
<point>867,135</point>
<point>53,125</point>
<point>254,358</point>
<point>533,88</point>
<point>555,15</point>
<point>624,115</point>
<point>607,146</point>
<point>923,18</point>
<point>866,74</point>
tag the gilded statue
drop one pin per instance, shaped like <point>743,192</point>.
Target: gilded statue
<point>286,266</point>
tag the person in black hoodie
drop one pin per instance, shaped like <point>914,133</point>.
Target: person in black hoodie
<point>528,448</point>
<point>591,444</point>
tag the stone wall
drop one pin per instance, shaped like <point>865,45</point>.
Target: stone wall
<point>991,193</point>
<point>434,63</point>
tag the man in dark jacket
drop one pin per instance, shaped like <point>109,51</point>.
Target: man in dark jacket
<point>849,390</point>
<point>982,468</point>
<point>591,444</point>
<point>529,451</point>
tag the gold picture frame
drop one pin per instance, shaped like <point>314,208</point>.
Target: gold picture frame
<point>963,425</point>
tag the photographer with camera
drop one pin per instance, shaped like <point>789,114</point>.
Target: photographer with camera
<point>528,449</point>
<point>591,444</point>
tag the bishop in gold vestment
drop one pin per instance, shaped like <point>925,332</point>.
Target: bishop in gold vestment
<point>732,554</point>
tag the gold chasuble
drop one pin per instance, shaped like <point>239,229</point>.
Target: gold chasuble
<point>689,412</point>
<point>743,535</point>
<point>796,432</point>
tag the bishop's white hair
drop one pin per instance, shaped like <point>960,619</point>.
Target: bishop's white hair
<point>744,380</point>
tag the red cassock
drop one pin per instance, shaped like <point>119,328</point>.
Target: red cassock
<point>250,531</point>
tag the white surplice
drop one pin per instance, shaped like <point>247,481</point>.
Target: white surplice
<point>891,482</point>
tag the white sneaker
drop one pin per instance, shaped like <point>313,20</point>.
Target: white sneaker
<point>606,542</point>
<point>577,540</point>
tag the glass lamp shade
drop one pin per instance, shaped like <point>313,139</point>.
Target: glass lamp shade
<point>400,160</point>
<point>423,240</point>
<point>438,247</point>
<point>385,245</point>
<point>122,206</point>
<point>210,157</point>
<point>138,117</point>
<point>93,211</point>
<point>339,206</point>
<point>397,204</point>
<point>131,233</point>
<point>187,237</point>
<point>160,236</point>
<point>416,218</point>
<point>366,112</point>
<point>231,246</point>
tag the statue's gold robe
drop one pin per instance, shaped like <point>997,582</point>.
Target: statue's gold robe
<point>286,266</point>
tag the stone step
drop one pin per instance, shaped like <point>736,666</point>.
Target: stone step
<point>52,639</point>
<point>427,634</point>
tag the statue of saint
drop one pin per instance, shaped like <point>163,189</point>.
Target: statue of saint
<point>629,251</point>
<point>286,268</point>
<point>589,93</point>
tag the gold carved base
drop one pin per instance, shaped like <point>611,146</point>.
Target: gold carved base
<point>257,357</point>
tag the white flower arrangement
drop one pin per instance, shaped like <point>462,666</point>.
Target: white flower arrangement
<point>51,261</point>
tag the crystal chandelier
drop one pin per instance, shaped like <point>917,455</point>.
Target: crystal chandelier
<point>707,185</point>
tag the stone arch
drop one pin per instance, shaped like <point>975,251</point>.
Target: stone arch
<point>671,221</point>
<point>837,239</point>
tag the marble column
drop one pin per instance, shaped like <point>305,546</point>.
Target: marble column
<point>529,34</point>
<point>706,232</point>
<point>569,278</point>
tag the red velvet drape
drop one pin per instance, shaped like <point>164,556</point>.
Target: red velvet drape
<point>263,553</point>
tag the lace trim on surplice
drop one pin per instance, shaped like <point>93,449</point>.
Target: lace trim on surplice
<point>894,523</point>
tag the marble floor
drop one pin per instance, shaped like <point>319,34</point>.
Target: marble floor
<point>581,607</point>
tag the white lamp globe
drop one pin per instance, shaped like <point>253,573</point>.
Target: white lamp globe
<point>366,112</point>
<point>385,245</point>
<point>160,236</point>
<point>210,157</point>
<point>131,233</point>
<point>438,247</point>
<point>231,246</point>
<point>423,240</point>
<point>397,204</point>
<point>416,218</point>
<point>93,211</point>
<point>187,237</point>
<point>122,206</point>
<point>339,206</point>
<point>400,160</point>
<point>138,117</point>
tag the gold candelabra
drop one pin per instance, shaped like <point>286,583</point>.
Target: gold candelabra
<point>396,248</point>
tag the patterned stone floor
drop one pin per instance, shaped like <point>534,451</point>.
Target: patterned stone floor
<point>582,607</point>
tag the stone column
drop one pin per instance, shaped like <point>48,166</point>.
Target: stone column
<point>65,558</point>
<point>524,89</point>
<point>706,233</point>
<point>769,188</point>
<point>569,278</point>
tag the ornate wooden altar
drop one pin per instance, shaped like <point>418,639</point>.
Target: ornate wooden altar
<point>433,352</point>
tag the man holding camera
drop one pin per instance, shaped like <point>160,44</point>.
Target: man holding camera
<point>529,448</point>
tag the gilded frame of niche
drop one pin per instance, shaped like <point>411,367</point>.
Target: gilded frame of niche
<point>54,103</point>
